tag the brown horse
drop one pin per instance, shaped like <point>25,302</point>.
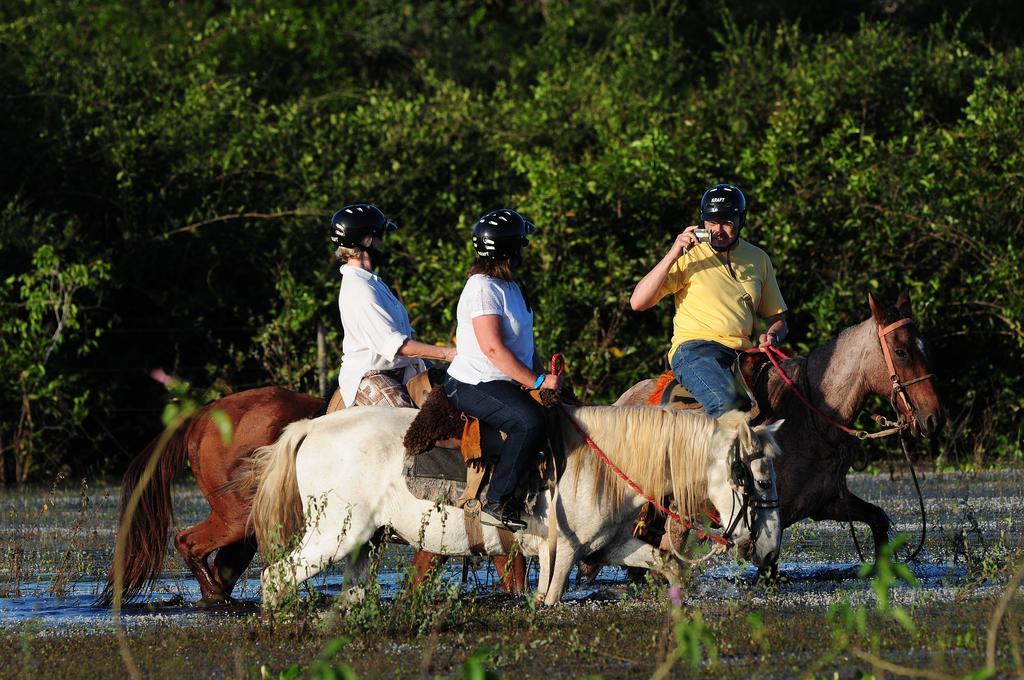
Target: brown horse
<point>257,416</point>
<point>837,378</point>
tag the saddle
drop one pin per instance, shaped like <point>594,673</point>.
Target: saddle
<point>745,370</point>
<point>439,421</point>
<point>440,424</point>
<point>418,386</point>
<point>440,427</point>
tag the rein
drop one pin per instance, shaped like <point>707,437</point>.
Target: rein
<point>772,351</point>
<point>920,503</point>
<point>687,523</point>
<point>899,389</point>
<point>899,392</point>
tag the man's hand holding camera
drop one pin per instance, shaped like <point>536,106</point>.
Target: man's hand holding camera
<point>689,238</point>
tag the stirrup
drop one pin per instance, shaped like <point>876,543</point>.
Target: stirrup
<point>503,520</point>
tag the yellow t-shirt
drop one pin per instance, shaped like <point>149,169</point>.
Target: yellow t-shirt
<point>718,294</point>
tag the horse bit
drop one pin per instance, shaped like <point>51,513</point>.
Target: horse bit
<point>907,416</point>
<point>742,478</point>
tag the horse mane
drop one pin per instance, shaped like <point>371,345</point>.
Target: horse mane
<point>639,440</point>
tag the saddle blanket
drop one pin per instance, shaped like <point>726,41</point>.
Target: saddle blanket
<point>437,475</point>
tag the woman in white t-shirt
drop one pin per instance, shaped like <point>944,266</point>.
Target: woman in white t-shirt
<point>378,352</point>
<point>494,339</point>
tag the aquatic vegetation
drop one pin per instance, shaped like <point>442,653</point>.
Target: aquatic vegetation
<point>613,629</point>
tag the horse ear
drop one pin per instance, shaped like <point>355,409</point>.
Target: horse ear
<point>876,310</point>
<point>734,419</point>
<point>770,448</point>
<point>903,303</point>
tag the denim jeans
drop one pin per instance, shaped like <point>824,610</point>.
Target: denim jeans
<point>502,405</point>
<point>705,368</point>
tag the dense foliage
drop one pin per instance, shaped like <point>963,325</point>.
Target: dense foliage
<point>169,169</point>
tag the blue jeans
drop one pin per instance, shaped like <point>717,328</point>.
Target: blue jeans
<point>503,406</point>
<point>705,368</point>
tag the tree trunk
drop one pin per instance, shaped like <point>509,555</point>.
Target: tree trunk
<point>23,443</point>
<point>321,357</point>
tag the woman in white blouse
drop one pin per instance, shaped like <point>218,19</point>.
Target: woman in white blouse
<point>495,343</point>
<point>378,352</point>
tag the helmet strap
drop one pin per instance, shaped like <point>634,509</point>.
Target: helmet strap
<point>377,257</point>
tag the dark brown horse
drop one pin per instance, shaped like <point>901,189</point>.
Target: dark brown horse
<point>257,416</point>
<point>837,378</point>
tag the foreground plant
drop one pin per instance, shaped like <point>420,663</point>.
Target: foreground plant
<point>693,638</point>
<point>182,403</point>
<point>851,625</point>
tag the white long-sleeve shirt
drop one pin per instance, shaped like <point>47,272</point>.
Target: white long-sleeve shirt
<point>376,325</point>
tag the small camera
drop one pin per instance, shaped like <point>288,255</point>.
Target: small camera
<point>702,235</point>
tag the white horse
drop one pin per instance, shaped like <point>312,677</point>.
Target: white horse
<point>350,466</point>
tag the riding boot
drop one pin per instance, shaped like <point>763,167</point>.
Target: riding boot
<point>502,515</point>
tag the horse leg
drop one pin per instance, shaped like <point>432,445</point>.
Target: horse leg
<point>512,578</point>
<point>356,576</point>
<point>230,563</point>
<point>642,555</point>
<point>587,571</point>
<point>422,563</point>
<point>316,552</point>
<point>565,557</point>
<point>195,545</point>
<point>850,508</point>
<point>279,580</point>
<point>544,577</point>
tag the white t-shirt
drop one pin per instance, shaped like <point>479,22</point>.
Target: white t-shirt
<point>487,295</point>
<point>376,325</point>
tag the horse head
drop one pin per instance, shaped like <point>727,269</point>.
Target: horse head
<point>902,370</point>
<point>741,485</point>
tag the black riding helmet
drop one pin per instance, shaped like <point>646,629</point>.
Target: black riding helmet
<point>723,202</point>
<point>352,224</point>
<point>501,233</point>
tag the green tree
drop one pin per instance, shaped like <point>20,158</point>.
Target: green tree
<point>44,321</point>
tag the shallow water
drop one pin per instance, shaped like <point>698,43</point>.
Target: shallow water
<point>173,595</point>
<point>55,546</point>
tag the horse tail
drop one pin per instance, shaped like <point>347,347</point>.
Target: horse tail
<point>276,513</point>
<point>145,539</point>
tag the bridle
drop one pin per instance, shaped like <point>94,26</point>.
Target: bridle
<point>743,491</point>
<point>907,415</point>
<point>906,412</point>
<point>742,481</point>
<point>740,475</point>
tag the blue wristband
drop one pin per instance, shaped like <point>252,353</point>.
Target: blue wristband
<point>540,381</point>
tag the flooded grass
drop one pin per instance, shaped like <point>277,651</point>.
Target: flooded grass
<point>820,619</point>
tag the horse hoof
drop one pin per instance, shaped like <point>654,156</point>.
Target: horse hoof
<point>586,573</point>
<point>215,601</point>
<point>768,575</point>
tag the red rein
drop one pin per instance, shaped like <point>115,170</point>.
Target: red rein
<point>772,351</point>
<point>632,485</point>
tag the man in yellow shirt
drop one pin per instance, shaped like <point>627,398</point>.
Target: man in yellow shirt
<point>720,283</point>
